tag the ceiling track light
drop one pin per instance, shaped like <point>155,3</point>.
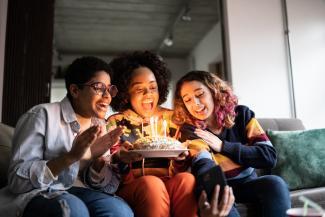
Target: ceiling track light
<point>169,41</point>
<point>186,15</point>
<point>182,15</point>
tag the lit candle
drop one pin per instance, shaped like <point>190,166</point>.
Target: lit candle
<point>152,127</point>
<point>165,127</point>
<point>156,126</point>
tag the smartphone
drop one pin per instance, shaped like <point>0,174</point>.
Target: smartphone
<point>208,181</point>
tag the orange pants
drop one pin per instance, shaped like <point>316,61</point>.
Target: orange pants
<point>151,196</point>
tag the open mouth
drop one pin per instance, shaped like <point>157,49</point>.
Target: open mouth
<point>147,104</point>
<point>102,106</point>
<point>200,111</point>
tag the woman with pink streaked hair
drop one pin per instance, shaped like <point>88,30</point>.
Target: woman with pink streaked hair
<point>222,134</point>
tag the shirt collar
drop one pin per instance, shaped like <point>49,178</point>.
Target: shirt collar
<point>68,114</point>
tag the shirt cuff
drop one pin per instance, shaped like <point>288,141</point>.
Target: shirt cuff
<point>40,175</point>
<point>97,178</point>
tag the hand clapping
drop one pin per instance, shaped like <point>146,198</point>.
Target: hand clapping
<point>105,142</point>
<point>83,141</point>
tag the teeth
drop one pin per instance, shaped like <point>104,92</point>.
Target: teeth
<point>103,104</point>
<point>147,101</point>
<point>199,110</point>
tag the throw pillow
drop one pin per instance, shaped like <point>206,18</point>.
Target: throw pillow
<point>301,157</point>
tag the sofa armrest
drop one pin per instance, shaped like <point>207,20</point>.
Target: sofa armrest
<point>6,134</point>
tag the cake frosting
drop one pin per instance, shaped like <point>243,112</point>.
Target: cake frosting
<point>157,142</point>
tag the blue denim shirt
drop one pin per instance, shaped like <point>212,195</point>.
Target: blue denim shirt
<point>43,133</point>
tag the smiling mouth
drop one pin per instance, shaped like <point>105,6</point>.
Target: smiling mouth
<point>200,111</point>
<point>147,105</point>
<point>102,106</point>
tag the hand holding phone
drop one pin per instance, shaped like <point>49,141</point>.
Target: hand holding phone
<point>208,180</point>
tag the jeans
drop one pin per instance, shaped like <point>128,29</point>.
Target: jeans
<point>269,192</point>
<point>78,202</point>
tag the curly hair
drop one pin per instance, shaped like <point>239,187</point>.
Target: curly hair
<point>126,64</point>
<point>224,100</point>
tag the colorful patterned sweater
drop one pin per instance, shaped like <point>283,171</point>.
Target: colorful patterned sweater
<point>136,127</point>
<point>245,146</point>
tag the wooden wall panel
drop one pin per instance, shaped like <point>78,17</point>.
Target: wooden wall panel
<point>28,57</point>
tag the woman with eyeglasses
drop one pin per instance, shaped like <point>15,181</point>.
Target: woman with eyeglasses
<point>54,146</point>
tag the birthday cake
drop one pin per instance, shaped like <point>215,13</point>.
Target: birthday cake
<point>157,142</point>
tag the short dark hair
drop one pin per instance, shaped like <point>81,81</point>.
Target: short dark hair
<point>124,66</point>
<point>82,69</point>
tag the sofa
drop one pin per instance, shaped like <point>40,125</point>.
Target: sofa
<point>316,194</point>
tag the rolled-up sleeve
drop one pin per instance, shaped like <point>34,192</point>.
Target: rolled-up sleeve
<point>106,180</point>
<point>28,169</point>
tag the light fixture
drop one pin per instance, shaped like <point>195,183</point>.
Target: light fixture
<point>168,41</point>
<point>186,16</point>
<point>182,15</point>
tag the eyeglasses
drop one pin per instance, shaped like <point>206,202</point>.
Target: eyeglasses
<point>100,88</point>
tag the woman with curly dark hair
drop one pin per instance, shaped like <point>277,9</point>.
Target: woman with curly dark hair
<point>218,129</point>
<point>149,185</point>
<point>125,67</point>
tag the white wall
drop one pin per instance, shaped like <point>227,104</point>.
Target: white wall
<point>307,37</point>
<point>58,90</point>
<point>3,21</point>
<point>258,56</point>
<point>209,50</point>
<point>178,68</point>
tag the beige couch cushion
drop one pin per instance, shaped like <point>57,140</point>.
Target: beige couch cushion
<point>6,133</point>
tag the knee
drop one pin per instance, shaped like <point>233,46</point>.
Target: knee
<point>72,206</point>
<point>277,185</point>
<point>277,182</point>
<point>123,209</point>
<point>184,180</point>
<point>151,186</point>
<point>185,177</point>
<point>111,206</point>
<point>277,192</point>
